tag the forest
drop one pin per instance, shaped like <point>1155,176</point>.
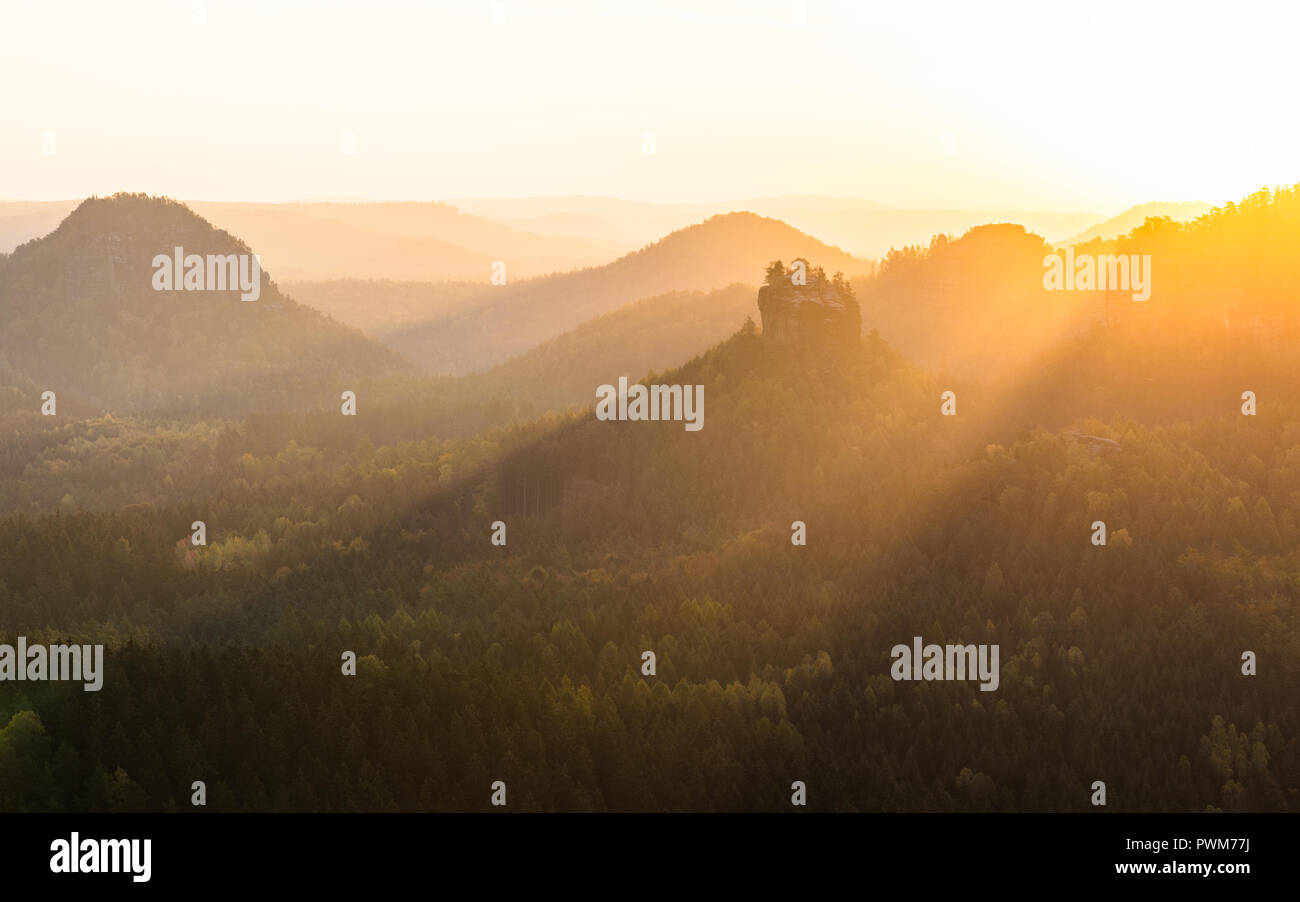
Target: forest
<point>479,662</point>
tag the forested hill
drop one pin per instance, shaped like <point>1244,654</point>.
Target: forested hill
<point>510,319</point>
<point>976,306</point>
<point>1134,217</point>
<point>80,317</point>
<point>523,662</point>
<point>651,334</point>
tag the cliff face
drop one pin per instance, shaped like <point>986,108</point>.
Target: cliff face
<point>802,306</point>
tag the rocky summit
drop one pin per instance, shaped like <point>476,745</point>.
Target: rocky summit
<point>801,306</point>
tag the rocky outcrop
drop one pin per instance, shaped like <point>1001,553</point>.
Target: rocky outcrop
<point>801,306</point>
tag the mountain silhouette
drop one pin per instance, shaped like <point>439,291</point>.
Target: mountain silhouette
<point>82,318</point>
<point>508,319</point>
<point>1123,223</point>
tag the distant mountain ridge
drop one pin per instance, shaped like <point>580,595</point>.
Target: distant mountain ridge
<point>411,240</point>
<point>861,227</point>
<point>461,239</point>
<point>1130,219</point>
<point>366,240</point>
<point>508,319</point>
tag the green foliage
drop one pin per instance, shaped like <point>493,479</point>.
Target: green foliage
<point>371,534</point>
<point>523,663</point>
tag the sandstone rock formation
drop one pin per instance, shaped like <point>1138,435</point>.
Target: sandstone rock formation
<point>801,306</point>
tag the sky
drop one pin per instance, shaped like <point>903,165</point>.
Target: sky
<point>1009,106</point>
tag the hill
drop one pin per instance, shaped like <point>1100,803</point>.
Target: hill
<point>508,319</point>
<point>772,658</point>
<point>361,240</point>
<point>948,304</point>
<point>859,226</point>
<point>1133,217</point>
<point>81,317</point>
<point>401,241</point>
<point>525,661</point>
<point>874,232</point>
<point>541,235</point>
<point>653,334</point>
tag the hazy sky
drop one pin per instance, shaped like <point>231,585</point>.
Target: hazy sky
<point>1090,106</point>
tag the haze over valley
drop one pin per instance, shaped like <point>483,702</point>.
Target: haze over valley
<point>648,407</point>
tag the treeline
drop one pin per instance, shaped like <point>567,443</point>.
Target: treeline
<point>977,305</point>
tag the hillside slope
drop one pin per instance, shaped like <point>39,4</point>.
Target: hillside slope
<point>772,658</point>
<point>525,661</point>
<point>80,317</point>
<point>384,307</point>
<point>1226,273</point>
<point>515,317</point>
<point>653,334</point>
<point>21,221</point>
<point>1130,219</point>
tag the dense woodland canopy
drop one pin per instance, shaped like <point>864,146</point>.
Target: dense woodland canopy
<point>522,663</point>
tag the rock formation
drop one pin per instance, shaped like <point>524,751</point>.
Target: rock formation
<point>801,306</point>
